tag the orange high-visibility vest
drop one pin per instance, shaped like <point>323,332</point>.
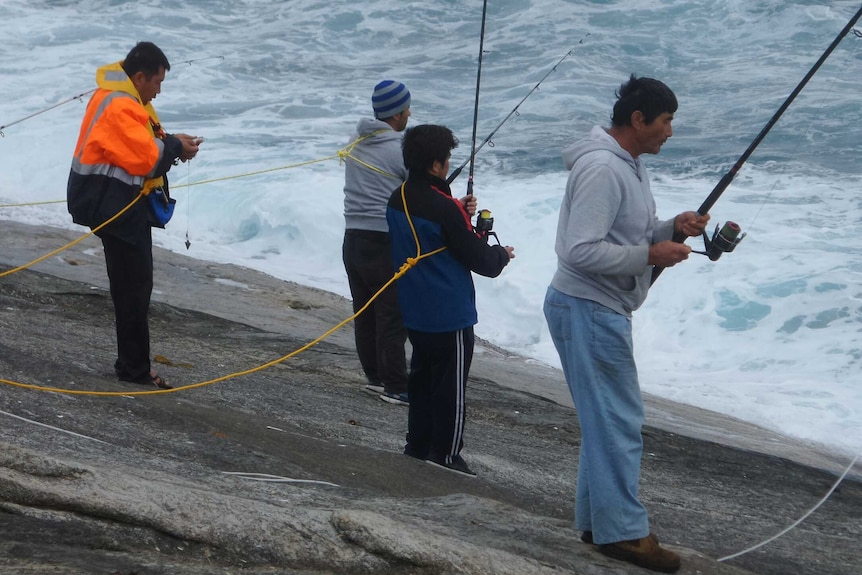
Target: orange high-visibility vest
<point>117,130</point>
<point>119,148</point>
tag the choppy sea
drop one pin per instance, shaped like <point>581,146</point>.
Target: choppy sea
<point>771,333</point>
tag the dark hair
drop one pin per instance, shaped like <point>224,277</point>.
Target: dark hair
<point>651,97</point>
<point>423,145</point>
<point>145,57</point>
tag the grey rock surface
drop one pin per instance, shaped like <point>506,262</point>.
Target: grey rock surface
<point>294,469</point>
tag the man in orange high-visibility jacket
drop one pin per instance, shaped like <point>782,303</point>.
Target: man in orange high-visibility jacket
<point>121,152</point>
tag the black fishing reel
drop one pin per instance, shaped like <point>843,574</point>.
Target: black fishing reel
<point>485,225</point>
<point>723,240</point>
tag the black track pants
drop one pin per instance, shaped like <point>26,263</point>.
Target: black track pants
<point>436,386</point>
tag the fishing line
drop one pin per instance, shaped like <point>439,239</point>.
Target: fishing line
<point>819,107</point>
<point>801,519</point>
<point>73,98</point>
<point>80,97</point>
<point>268,477</point>
<point>728,177</point>
<point>188,206</point>
<point>190,62</point>
<point>514,111</point>
<point>476,103</point>
<point>60,429</point>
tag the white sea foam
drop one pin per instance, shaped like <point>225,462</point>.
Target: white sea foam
<point>771,333</point>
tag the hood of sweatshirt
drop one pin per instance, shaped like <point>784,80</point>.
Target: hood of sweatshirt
<point>381,131</point>
<point>599,139</point>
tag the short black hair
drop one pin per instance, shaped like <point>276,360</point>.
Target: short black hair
<point>423,145</point>
<point>647,95</point>
<point>145,57</point>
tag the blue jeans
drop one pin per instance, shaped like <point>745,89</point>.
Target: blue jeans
<point>595,347</point>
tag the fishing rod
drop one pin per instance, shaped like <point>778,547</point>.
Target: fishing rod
<point>514,111</point>
<point>78,97</point>
<point>727,238</point>
<point>81,95</point>
<point>484,221</point>
<point>476,103</point>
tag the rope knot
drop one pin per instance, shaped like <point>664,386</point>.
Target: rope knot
<point>406,266</point>
<point>342,155</point>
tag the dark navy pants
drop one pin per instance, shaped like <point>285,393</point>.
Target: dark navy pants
<point>436,385</point>
<point>130,272</point>
<point>379,330</point>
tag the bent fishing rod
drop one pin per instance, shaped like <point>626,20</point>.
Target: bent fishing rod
<point>81,95</point>
<point>726,239</point>
<point>457,171</point>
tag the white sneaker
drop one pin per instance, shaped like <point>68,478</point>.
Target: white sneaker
<point>373,389</point>
<point>395,398</point>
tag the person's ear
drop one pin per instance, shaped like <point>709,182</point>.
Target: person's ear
<point>138,78</point>
<point>437,168</point>
<point>638,119</point>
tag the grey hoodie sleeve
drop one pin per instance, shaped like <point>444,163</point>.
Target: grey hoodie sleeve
<point>663,230</point>
<point>595,235</point>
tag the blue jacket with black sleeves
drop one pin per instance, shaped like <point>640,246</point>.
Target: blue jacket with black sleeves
<point>437,294</point>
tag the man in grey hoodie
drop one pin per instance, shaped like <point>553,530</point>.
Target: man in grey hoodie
<point>608,241</point>
<point>373,169</point>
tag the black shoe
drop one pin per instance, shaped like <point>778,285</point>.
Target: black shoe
<point>456,463</point>
<point>415,453</point>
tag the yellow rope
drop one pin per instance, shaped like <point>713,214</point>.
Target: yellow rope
<point>72,243</point>
<point>341,156</point>
<point>255,173</point>
<point>31,204</point>
<point>345,153</point>
<point>410,263</point>
<point>401,271</point>
<point>413,230</point>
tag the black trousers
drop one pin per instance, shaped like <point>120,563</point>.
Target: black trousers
<point>436,387</point>
<point>379,330</point>
<point>130,273</point>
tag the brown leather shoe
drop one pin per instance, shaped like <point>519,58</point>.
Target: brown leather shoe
<point>587,537</point>
<point>645,552</point>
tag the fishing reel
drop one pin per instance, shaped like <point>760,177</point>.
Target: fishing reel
<point>485,225</point>
<point>723,240</point>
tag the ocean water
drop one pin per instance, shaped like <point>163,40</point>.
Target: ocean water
<point>771,333</point>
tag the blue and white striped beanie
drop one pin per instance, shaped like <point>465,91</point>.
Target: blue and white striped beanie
<point>389,98</point>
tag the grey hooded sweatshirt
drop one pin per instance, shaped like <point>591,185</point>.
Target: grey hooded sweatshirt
<point>607,223</point>
<point>367,190</point>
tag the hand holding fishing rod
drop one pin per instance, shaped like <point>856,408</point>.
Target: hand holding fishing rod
<point>484,221</point>
<point>727,238</point>
<point>485,224</point>
<point>669,252</point>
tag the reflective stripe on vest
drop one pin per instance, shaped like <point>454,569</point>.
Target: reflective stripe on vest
<point>105,169</point>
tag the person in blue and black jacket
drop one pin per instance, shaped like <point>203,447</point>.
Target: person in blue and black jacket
<point>437,297</point>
